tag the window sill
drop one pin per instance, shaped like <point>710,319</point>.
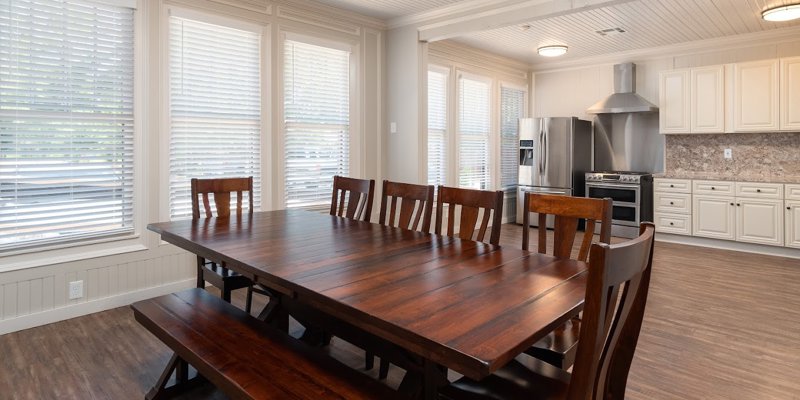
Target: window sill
<point>40,257</point>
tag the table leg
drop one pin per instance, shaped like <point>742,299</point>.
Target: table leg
<point>275,314</point>
<point>424,385</point>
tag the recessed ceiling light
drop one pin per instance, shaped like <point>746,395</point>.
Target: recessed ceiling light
<point>552,51</point>
<point>782,13</point>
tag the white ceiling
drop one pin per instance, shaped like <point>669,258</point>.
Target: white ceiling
<point>648,24</point>
<point>388,9</point>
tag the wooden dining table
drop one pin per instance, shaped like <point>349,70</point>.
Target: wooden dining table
<point>455,304</point>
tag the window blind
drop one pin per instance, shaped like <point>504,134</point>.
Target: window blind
<point>317,121</point>
<point>66,121</point>
<point>473,140</point>
<point>215,107</point>
<point>437,128</point>
<point>512,108</point>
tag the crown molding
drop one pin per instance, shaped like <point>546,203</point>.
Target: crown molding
<point>327,11</point>
<point>763,38</point>
<point>477,58</point>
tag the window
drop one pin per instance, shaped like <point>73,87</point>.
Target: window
<point>437,127</point>
<point>214,106</point>
<point>66,121</point>
<point>473,139</point>
<point>317,121</point>
<point>512,108</point>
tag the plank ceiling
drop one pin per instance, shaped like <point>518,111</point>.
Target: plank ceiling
<point>647,24</point>
<point>388,9</point>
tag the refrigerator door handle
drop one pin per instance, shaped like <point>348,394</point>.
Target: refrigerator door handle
<point>540,152</point>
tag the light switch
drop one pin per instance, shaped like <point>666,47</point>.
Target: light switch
<point>728,153</point>
<point>393,127</point>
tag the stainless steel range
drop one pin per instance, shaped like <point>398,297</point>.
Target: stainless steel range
<point>632,194</point>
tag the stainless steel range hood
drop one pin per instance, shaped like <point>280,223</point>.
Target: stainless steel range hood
<point>624,99</point>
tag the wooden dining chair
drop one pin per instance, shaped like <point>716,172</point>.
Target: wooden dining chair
<point>415,206</point>
<point>352,198</point>
<point>559,347</point>
<point>213,272</point>
<point>415,211</point>
<point>616,293</point>
<point>471,202</point>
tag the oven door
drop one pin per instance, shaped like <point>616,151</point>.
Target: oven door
<point>626,200</point>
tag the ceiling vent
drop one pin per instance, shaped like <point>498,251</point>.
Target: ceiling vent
<point>610,31</point>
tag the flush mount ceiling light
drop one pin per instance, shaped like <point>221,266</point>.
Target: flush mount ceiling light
<point>552,51</point>
<point>782,13</point>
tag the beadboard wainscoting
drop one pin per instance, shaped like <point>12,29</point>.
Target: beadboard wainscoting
<point>36,296</point>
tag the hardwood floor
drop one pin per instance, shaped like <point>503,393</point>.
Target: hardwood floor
<point>718,325</point>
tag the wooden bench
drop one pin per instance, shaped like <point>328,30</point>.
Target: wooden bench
<point>241,355</point>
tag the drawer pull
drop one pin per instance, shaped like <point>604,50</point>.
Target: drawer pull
<point>738,205</point>
<point>671,203</point>
<point>731,203</point>
<point>671,185</point>
<point>758,190</point>
<point>713,188</point>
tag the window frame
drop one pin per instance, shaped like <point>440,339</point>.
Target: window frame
<point>356,156</point>
<point>112,244</point>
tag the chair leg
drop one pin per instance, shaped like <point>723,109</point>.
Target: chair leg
<point>226,293</point>
<point>369,360</point>
<point>249,301</point>
<point>383,370</point>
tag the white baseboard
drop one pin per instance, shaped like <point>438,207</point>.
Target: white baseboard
<point>90,307</point>
<point>728,245</point>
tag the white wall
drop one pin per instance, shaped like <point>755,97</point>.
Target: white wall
<point>33,286</point>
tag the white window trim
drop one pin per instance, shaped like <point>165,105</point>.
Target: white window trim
<point>498,93</point>
<point>164,123</point>
<point>448,133</point>
<point>48,254</point>
<point>345,43</point>
<point>493,136</point>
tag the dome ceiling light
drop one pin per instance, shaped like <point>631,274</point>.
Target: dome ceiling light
<point>782,13</point>
<point>552,51</point>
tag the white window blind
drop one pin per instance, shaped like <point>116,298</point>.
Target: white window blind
<point>66,121</point>
<point>437,128</point>
<point>473,140</point>
<point>215,107</point>
<point>317,121</point>
<point>512,108</point>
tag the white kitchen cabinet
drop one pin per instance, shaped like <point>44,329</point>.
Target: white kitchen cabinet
<point>674,102</point>
<point>792,222</point>
<point>756,96</point>
<point>759,221</point>
<point>707,92</point>
<point>790,94</point>
<point>714,217</point>
<point>672,200</point>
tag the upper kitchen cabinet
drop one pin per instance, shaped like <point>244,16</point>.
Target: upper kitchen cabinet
<point>756,96</point>
<point>674,102</point>
<point>790,94</point>
<point>708,99</point>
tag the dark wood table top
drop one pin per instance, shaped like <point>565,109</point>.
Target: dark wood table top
<point>468,306</point>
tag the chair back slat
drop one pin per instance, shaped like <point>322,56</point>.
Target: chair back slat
<point>616,293</point>
<point>567,212</point>
<point>472,202</point>
<point>221,189</point>
<point>352,198</point>
<point>405,205</point>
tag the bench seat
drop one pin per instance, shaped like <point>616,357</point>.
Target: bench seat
<point>242,356</point>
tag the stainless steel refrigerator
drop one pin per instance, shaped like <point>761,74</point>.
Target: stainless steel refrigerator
<point>554,155</point>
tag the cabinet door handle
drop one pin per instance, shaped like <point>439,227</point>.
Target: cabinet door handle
<point>671,203</point>
<point>738,205</point>
<point>672,223</point>
<point>758,190</point>
<point>731,203</point>
<point>671,185</point>
<point>713,188</point>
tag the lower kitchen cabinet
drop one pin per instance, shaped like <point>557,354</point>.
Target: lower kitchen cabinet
<point>714,217</point>
<point>793,224</point>
<point>759,221</point>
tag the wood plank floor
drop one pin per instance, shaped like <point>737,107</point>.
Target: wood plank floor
<point>719,325</point>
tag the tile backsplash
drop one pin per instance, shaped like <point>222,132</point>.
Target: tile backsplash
<point>757,157</point>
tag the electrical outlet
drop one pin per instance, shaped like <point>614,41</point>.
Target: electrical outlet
<point>728,153</point>
<point>393,127</point>
<point>75,290</point>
